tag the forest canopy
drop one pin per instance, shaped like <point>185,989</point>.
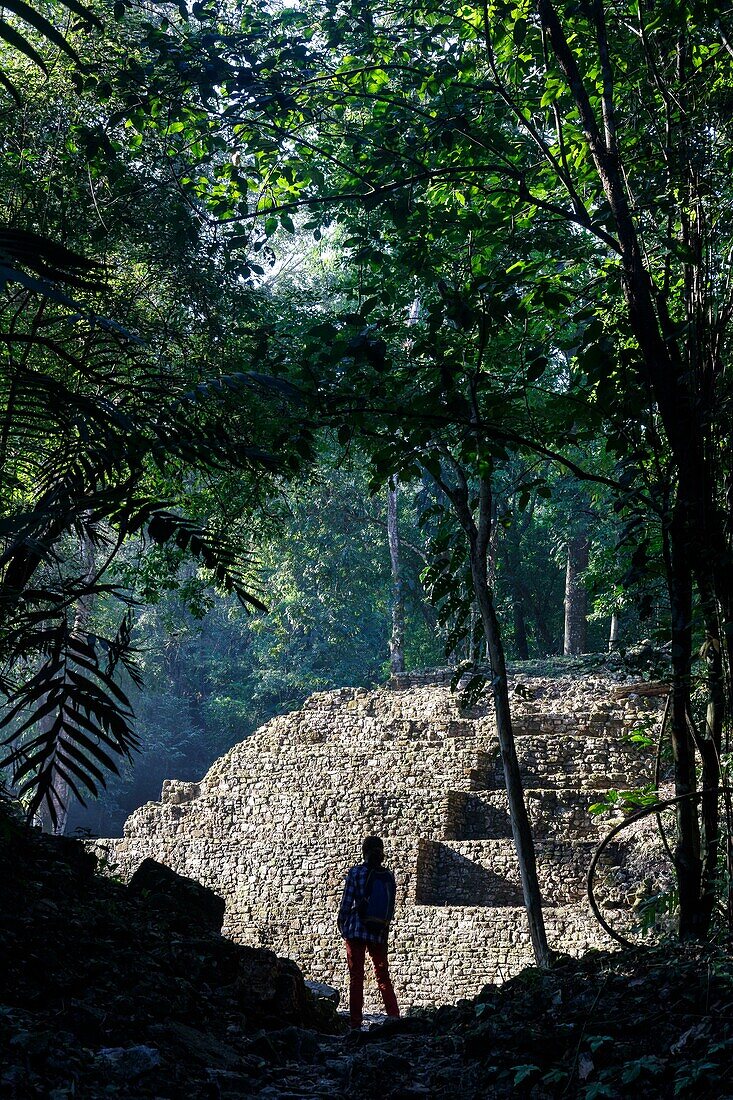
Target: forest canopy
<point>265,266</point>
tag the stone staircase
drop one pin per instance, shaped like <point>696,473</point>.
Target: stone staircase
<point>275,823</point>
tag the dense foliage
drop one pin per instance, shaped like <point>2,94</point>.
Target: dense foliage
<point>483,250</point>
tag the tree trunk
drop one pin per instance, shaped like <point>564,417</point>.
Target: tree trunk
<point>696,540</point>
<point>521,829</point>
<point>613,634</point>
<point>710,745</point>
<point>687,850</point>
<point>479,542</point>
<point>397,640</point>
<point>479,537</point>
<point>576,596</point>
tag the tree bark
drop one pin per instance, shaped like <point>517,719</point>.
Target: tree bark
<point>697,539</point>
<point>521,829</point>
<point>479,539</point>
<point>687,849</point>
<point>709,746</point>
<point>576,596</point>
<point>613,633</point>
<point>397,639</point>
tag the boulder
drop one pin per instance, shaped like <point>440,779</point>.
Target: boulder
<point>182,901</point>
<point>129,1062</point>
<point>323,992</point>
<point>271,990</point>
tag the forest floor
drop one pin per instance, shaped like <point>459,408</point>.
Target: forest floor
<point>105,993</point>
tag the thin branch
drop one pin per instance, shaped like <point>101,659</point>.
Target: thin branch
<point>609,120</point>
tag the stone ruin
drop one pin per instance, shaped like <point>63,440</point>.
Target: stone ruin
<point>276,822</point>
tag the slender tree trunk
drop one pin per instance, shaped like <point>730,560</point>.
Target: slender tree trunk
<point>709,746</point>
<point>479,541</point>
<point>687,850</point>
<point>576,596</point>
<point>479,537</point>
<point>397,640</point>
<point>613,634</point>
<point>493,544</point>
<point>521,829</point>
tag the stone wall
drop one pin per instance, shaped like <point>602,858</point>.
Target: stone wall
<point>274,824</point>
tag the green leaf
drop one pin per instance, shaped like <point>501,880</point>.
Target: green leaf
<point>14,38</point>
<point>595,1042</point>
<point>649,1064</point>
<point>537,368</point>
<point>42,25</point>
<point>521,1073</point>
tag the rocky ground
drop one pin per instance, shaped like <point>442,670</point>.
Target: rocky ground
<point>109,991</point>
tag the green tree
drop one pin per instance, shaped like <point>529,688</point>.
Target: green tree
<point>106,430</point>
<point>501,121</point>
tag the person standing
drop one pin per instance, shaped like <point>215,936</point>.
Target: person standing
<point>367,908</point>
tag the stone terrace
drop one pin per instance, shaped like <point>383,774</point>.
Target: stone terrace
<point>275,823</point>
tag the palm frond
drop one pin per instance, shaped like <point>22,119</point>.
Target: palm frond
<point>21,248</point>
<point>121,651</point>
<point>81,454</point>
<point>31,15</point>
<point>212,549</point>
<point>19,42</point>
<point>45,28</point>
<point>192,426</point>
<point>70,721</point>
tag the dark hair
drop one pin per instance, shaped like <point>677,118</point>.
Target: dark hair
<point>372,850</point>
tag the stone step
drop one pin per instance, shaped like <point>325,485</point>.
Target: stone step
<point>589,723</point>
<point>434,813</point>
<point>258,812</point>
<point>571,761</point>
<point>486,872</point>
<point>444,762</point>
<point>437,954</point>
<point>482,815</point>
<point>456,753</point>
<point>334,727</point>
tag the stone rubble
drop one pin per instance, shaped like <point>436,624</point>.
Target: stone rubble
<point>276,822</point>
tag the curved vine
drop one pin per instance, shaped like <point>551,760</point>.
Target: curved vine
<point>638,815</point>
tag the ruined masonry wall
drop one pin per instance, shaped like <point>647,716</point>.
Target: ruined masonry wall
<point>275,823</point>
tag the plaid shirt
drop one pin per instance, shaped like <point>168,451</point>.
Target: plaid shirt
<point>349,925</point>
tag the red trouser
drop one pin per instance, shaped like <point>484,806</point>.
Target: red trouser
<point>355,951</point>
